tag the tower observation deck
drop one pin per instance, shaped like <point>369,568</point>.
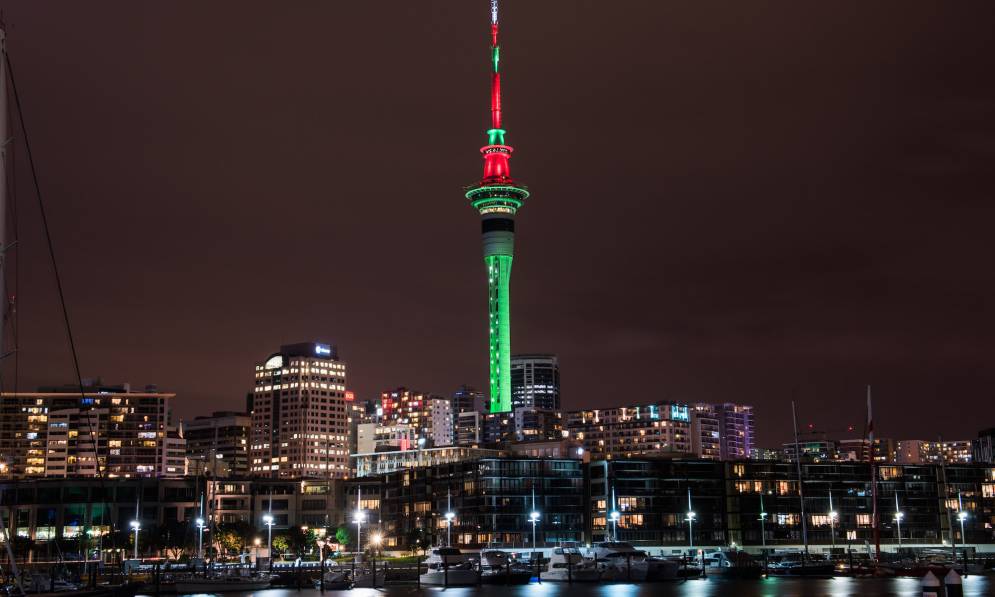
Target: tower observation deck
<point>498,198</point>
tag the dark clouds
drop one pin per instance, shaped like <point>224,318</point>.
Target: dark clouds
<point>730,201</point>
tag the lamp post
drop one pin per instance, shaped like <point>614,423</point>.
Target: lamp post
<point>359,517</point>
<point>961,516</point>
<point>255,548</point>
<point>615,516</point>
<point>200,538</point>
<point>763,522</point>
<point>899,515</point>
<point>534,519</point>
<point>268,521</point>
<point>137,525</point>
<point>833,515</point>
<point>691,516</point>
<point>450,515</point>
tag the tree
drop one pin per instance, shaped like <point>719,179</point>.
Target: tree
<point>342,535</point>
<point>281,544</point>
<point>301,540</point>
<point>419,539</point>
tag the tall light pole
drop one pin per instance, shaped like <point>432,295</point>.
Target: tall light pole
<point>268,521</point>
<point>614,518</point>
<point>833,515</point>
<point>534,519</point>
<point>898,520</point>
<point>763,521</point>
<point>450,515</point>
<point>358,518</point>
<point>691,516</point>
<point>137,525</point>
<point>200,530</point>
<point>961,516</point>
<point>200,538</point>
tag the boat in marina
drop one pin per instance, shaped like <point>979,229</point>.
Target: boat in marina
<point>567,564</point>
<point>447,566</point>
<point>498,567</point>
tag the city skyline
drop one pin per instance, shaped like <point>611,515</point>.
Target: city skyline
<point>758,225</point>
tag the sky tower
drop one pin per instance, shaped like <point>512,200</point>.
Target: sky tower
<point>497,197</point>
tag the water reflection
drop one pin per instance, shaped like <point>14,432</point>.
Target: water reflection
<point>974,586</point>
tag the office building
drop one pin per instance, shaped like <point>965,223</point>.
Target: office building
<point>535,381</point>
<point>218,445</point>
<point>469,430</point>
<point>300,424</point>
<point>59,432</point>
<point>381,463</point>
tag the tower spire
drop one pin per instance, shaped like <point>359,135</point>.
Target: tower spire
<point>498,198</point>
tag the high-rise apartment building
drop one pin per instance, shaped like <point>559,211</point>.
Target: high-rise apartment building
<point>737,430</point>
<point>61,432</point>
<point>300,415</point>
<point>535,381</point>
<point>657,429</point>
<point>218,445</point>
<point>468,399</point>
<point>917,451</point>
<point>706,437</point>
<point>431,415</point>
<point>984,447</point>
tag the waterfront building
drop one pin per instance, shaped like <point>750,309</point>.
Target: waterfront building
<point>491,499</point>
<point>767,454</point>
<point>817,450</point>
<point>218,445</point>
<point>300,424</point>
<point>535,382</point>
<point>107,429</point>
<point>657,429</point>
<point>381,463</point>
<point>651,499</point>
<point>858,450</point>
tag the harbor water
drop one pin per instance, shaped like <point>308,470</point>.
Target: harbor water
<point>974,586</point>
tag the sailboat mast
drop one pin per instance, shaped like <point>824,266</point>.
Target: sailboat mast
<point>798,464</point>
<point>874,478</point>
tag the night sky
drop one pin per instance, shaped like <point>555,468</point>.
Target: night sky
<point>748,202</point>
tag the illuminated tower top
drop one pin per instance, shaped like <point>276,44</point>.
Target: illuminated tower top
<point>497,192</point>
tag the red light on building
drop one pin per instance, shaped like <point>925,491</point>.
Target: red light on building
<point>350,396</point>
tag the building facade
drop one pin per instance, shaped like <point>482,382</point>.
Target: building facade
<point>107,430</point>
<point>917,451</point>
<point>657,429</point>
<point>218,445</point>
<point>300,419</point>
<point>535,381</point>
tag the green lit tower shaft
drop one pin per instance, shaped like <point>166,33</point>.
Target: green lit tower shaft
<point>498,198</point>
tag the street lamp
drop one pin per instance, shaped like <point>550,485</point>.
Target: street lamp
<point>450,515</point>
<point>255,544</point>
<point>691,516</point>
<point>962,516</point>
<point>833,515</point>
<point>899,515</point>
<point>137,525</point>
<point>376,539</point>
<point>268,521</point>
<point>763,522</point>
<point>200,538</point>
<point>615,516</point>
<point>359,517</point>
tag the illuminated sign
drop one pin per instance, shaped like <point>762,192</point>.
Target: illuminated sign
<point>274,362</point>
<point>350,396</point>
<point>322,350</point>
<point>679,413</point>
